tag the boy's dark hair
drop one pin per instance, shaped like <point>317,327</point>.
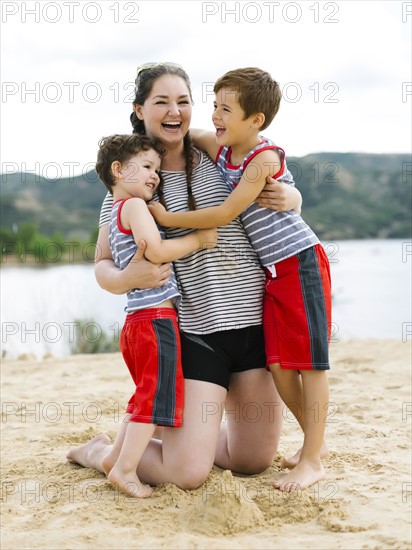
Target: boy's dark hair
<point>122,147</point>
<point>256,91</point>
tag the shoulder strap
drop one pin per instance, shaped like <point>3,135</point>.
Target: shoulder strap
<point>266,148</point>
<point>119,213</point>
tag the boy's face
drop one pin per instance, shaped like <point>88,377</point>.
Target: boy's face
<point>228,117</point>
<point>140,175</point>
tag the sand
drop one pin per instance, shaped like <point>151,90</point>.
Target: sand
<point>365,502</point>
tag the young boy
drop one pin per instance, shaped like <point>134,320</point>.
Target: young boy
<point>129,166</point>
<point>297,302</point>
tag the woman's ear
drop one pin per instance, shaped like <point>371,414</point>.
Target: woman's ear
<point>138,111</point>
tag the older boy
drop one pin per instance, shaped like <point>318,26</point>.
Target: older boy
<point>297,302</point>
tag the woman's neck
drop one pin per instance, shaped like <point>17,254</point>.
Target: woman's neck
<point>174,159</point>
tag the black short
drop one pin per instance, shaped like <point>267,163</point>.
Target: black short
<point>213,357</point>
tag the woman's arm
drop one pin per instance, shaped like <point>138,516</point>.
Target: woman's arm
<point>138,274</point>
<point>206,140</point>
<point>280,196</point>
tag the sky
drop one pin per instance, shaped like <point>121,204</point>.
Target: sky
<point>68,67</point>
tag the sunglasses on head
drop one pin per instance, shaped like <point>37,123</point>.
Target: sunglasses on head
<point>152,65</point>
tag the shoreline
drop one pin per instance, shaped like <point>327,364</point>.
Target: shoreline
<point>32,261</point>
<point>25,357</point>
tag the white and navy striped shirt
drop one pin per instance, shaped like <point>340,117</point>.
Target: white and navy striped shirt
<point>274,235</point>
<point>222,288</point>
<point>123,247</point>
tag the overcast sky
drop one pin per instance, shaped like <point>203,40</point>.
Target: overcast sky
<point>67,69</point>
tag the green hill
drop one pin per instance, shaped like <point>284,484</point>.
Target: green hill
<point>355,196</point>
<point>345,196</point>
<point>70,205</point>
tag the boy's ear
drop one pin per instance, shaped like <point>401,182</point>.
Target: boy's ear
<point>116,168</point>
<point>258,120</point>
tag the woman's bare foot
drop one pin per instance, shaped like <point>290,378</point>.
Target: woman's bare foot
<point>129,483</point>
<point>302,476</point>
<point>91,453</point>
<point>293,461</point>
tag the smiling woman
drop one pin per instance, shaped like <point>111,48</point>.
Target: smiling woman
<point>163,108</point>
<point>221,334</point>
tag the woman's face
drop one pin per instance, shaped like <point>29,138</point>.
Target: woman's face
<point>167,111</point>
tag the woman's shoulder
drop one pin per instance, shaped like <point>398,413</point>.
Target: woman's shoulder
<point>203,159</point>
<point>108,199</point>
<point>106,209</point>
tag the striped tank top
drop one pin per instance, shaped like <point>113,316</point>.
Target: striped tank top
<point>222,288</point>
<point>123,247</point>
<point>275,236</point>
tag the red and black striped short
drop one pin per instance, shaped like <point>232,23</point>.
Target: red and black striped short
<point>297,311</point>
<point>150,344</point>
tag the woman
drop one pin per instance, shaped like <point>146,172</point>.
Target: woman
<point>220,316</point>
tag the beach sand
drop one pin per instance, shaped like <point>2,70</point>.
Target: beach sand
<point>365,501</point>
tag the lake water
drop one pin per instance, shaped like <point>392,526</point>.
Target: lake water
<point>372,281</point>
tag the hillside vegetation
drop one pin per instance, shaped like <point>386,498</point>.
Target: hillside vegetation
<point>345,196</point>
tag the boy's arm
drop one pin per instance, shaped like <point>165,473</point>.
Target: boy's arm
<point>247,190</point>
<point>206,140</point>
<point>275,195</point>
<point>136,216</point>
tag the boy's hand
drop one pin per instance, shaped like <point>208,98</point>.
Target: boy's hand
<point>278,196</point>
<point>207,237</point>
<point>158,211</point>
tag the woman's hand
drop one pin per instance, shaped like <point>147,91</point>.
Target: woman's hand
<point>143,274</point>
<point>138,274</point>
<point>279,196</point>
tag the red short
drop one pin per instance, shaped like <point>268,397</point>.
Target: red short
<point>297,311</point>
<point>150,344</point>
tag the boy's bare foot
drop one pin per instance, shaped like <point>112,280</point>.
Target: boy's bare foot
<point>302,476</point>
<point>129,484</point>
<point>293,461</point>
<point>88,455</point>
